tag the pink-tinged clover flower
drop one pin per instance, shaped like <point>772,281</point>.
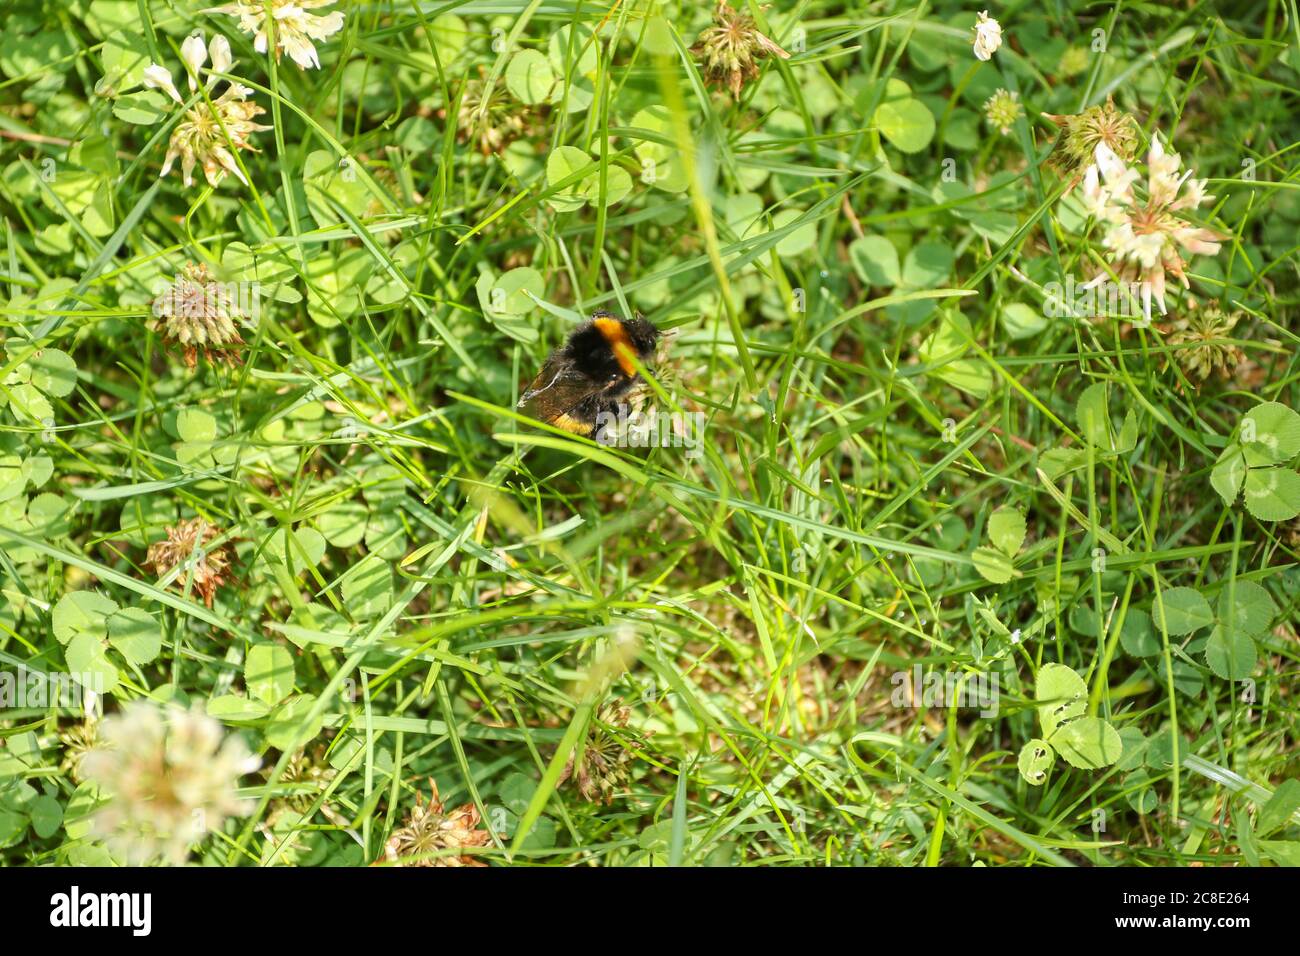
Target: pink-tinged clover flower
<point>1144,233</point>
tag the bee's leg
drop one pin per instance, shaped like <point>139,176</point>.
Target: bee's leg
<point>608,415</point>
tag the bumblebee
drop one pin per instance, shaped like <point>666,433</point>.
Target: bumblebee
<point>586,378</point>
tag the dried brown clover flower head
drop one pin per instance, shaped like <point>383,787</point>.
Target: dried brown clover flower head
<point>732,48</point>
<point>1208,332</point>
<point>430,831</point>
<point>1083,132</point>
<point>187,546</point>
<point>199,314</point>
<point>605,765</point>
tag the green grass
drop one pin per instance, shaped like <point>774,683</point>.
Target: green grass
<point>848,265</point>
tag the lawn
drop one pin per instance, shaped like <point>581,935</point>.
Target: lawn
<point>945,512</point>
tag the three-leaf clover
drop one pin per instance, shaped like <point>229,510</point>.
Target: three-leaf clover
<point>1252,466</point>
<point>1245,611</point>
<point>1088,743</point>
<point>41,374</point>
<point>89,625</point>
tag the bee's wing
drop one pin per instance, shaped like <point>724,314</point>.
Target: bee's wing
<point>555,395</point>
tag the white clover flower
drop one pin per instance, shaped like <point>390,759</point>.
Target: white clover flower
<point>1193,195</point>
<point>170,778</point>
<point>294,27</point>
<point>988,36</point>
<point>1108,201</point>
<point>732,47</point>
<point>160,78</point>
<point>219,49</point>
<point>211,127</point>
<point>194,53</point>
<point>1144,236</point>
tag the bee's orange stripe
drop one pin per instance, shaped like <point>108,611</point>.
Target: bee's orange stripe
<point>569,424</point>
<point>616,336</point>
